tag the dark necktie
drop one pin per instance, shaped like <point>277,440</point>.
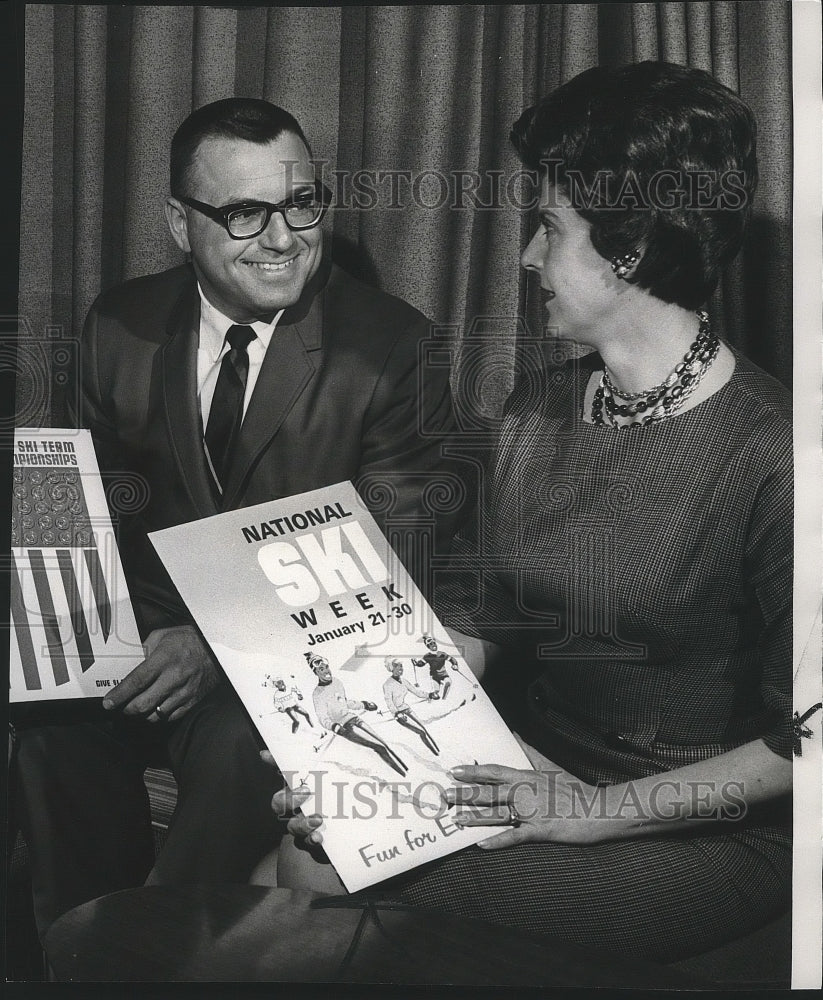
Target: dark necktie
<point>226,413</point>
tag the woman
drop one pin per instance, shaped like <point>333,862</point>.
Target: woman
<point>641,498</point>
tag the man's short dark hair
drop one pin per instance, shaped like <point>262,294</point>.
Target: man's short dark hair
<point>656,156</point>
<point>233,118</point>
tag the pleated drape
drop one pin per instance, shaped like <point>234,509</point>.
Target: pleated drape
<point>428,92</point>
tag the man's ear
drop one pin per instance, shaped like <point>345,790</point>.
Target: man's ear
<point>178,223</point>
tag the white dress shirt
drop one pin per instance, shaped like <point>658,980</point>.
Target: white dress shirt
<point>212,346</point>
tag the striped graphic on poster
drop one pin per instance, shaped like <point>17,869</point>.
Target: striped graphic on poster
<point>73,632</point>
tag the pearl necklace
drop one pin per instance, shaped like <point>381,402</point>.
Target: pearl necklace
<point>663,400</point>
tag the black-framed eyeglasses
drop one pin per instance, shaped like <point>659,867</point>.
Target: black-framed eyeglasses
<point>246,219</point>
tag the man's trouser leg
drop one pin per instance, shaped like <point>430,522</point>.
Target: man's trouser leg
<point>223,824</point>
<point>84,812</point>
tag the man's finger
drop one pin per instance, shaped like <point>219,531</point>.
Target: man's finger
<point>167,711</point>
<point>159,694</point>
<point>131,685</point>
<point>135,683</point>
<point>140,694</point>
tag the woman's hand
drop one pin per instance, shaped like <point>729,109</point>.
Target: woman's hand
<point>547,804</point>
<point>551,804</point>
<point>286,803</point>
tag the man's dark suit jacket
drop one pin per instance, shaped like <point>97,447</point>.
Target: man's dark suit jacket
<point>339,396</point>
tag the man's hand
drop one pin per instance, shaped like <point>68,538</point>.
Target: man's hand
<point>178,671</point>
<point>369,706</point>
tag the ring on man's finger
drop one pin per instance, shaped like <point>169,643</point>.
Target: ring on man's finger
<point>161,715</point>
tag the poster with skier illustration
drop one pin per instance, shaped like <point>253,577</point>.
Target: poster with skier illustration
<point>353,683</point>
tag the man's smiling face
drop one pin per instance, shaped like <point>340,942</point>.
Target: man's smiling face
<point>250,279</point>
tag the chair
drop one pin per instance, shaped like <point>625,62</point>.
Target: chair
<point>24,956</point>
<point>760,960</point>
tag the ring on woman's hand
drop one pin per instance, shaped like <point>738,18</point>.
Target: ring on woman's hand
<point>514,819</point>
<point>158,711</point>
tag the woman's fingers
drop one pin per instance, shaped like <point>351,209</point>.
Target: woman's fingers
<point>286,802</point>
<point>487,774</point>
<point>508,838</point>
<point>489,788</point>
<point>306,828</point>
<point>476,795</point>
<point>498,815</point>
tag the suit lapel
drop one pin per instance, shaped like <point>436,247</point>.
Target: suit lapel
<point>179,379</point>
<point>287,368</point>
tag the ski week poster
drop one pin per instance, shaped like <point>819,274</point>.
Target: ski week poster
<point>354,685</point>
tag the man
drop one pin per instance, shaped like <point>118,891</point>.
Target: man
<point>340,714</point>
<point>286,701</point>
<point>395,690</point>
<point>256,371</point>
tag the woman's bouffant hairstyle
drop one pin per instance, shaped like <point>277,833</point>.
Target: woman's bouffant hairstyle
<point>233,118</point>
<point>654,156</point>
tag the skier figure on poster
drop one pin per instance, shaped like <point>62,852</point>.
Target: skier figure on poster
<point>436,661</point>
<point>395,691</point>
<point>340,714</point>
<point>286,701</point>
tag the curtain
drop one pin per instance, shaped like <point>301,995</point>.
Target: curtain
<point>424,94</point>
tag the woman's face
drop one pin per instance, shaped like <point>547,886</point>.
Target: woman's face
<point>581,292</point>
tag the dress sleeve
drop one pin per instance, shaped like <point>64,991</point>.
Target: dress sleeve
<point>769,565</point>
<point>475,595</point>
